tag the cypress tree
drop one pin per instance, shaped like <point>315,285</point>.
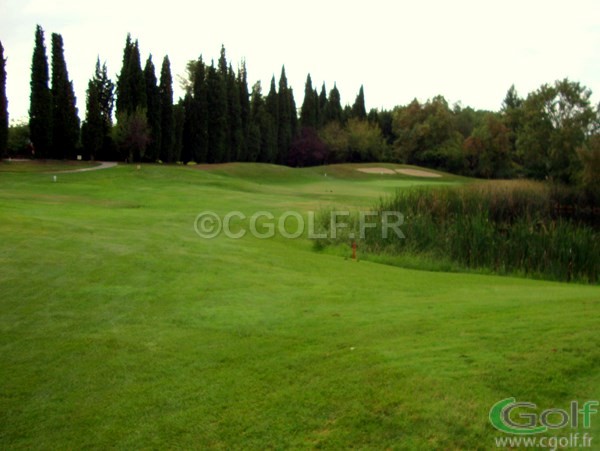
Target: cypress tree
<point>65,122</point>
<point>189,133</point>
<point>272,109</point>
<point>217,116</point>
<point>308,113</point>
<point>284,135</point>
<point>40,109</point>
<point>223,73</point>
<point>166,111</point>
<point>92,129</point>
<point>131,84</point>
<point>137,82</point>
<point>178,122</point>
<point>293,114</point>
<point>153,112</point>
<point>358,109</point>
<point>322,106</point>
<point>234,117</point>
<point>257,112</point>
<point>124,102</point>
<point>106,98</point>
<point>200,93</point>
<point>106,89</point>
<point>96,130</point>
<point>195,128</point>
<point>333,110</point>
<point>3,105</point>
<point>242,82</point>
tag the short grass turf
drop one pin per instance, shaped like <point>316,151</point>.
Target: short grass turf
<point>121,328</point>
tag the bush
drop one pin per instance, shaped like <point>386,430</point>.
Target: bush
<point>18,140</point>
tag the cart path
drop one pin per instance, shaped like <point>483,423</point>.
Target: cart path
<point>102,165</point>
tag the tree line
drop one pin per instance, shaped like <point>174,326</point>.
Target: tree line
<point>550,133</point>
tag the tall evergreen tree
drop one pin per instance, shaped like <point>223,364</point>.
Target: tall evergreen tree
<point>92,129</point>
<point>131,84</point>
<point>234,110</point>
<point>132,130</point>
<point>257,111</point>
<point>223,73</point>
<point>3,105</point>
<point>293,113</point>
<point>123,92</point>
<point>242,82</point>
<point>96,130</point>
<point>333,110</point>
<point>200,92</point>
<point>106,89</point>
<point>308,113</point>
<point>166,111</point>
<point>284,135</point>
<point>322,106</point>
<point>40,109</point>
<point>153,111</point>
<point>359,110</point>
<point>137,81</point>
<point>195,128</point>
<point>272,109</point>
<point>217,116</point>
<point>189,138</point>
<point>65,122</point>
<point>178,123</point>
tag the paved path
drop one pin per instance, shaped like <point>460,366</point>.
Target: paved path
<point>102,165</point>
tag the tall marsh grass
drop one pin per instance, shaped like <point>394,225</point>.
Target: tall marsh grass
<point>507,227</point>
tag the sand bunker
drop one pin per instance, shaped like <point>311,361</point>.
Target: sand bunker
<point>413,172</point>
<point>417,173</point>
<point>376,170</point>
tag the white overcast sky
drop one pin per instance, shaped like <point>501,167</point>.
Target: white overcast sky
<point>468,51</point>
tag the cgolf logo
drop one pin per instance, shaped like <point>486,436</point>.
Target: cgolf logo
<point>519,418</point>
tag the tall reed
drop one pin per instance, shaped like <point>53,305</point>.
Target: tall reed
<point>508,227</point>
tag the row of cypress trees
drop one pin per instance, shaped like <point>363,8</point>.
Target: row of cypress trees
<point>218,120</point>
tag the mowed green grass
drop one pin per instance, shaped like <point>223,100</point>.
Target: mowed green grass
<point>121,328</point>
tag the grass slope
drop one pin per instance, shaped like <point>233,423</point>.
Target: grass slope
<point>120,327</point>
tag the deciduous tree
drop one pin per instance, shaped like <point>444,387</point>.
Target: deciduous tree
<point>132,135</point>
<point>557,119</point>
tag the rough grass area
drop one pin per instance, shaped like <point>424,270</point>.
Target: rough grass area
<point>505,227</point>
<point>121,328</point>
<point>44,165</point>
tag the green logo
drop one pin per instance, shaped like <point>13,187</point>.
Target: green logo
<point>519,418</point>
